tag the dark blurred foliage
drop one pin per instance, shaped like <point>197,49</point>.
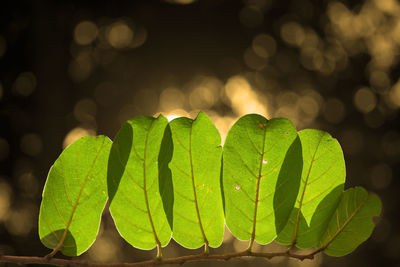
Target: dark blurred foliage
<point>73,68</point>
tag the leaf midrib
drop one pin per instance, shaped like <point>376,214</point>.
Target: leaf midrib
<point>348,220</point>
<point>145,187</point>
<point>60,244</point>
<point>296,226</point>
<point>256,202</point>
<point>194,188</point>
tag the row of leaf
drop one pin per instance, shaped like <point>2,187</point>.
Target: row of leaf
<point>162,180</point>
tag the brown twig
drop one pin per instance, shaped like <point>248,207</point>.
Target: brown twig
<point>177,260</point>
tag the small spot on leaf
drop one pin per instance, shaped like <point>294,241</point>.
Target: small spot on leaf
<point>237,187</point>
<point>264,161</point>
<point>260,125</point>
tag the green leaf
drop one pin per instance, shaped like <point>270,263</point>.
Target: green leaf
<point>139,182</point>
<point>74,196</point>
<point>321,186</point>
<point>198,216</point>
<point>261,174</point>
<point>352,223</point>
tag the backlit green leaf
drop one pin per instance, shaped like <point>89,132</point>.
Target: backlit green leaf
<point>139,182</point>
<point>321,186</point>
<point>351,224</point>
<point>74,196</point>
<point>198,217</point>
<point>261,174</point>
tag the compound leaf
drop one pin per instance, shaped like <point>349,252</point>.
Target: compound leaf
<point>352,223</point>
<point>321,186</point>
<point>74,196</point>
<point>139,182</point>
<point>261,174</point>
<point>198,217</point>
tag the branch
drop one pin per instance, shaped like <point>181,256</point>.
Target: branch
<point>177,260</point>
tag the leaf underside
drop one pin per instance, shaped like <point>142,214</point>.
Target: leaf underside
<point>321,186</point>
<point>75,195</point>
<point>198,217</point>
<point>352,223</point>
<point>269,182</point>
<point>136,167</point>
<point>261,174</point>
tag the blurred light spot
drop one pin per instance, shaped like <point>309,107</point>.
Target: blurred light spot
<point>391,144</point>
<point>81,67</point>
<point>181,2</point>
<point>146,100</point>
<point>25,83</point>
<point>253,61</point>
<point>394,94</point>
<point>139,38</point>
<point>4,149</point>
<point>243,98</point>
<point>381,176</point>
<point>251,16</point>
<point>374,119</point>
<point>177,113</point>
<point>85,32</point>
<point>364,100</point>
<point>352,141</point>
<point>127,112</point>
<point>85,110</point>
<point>77,133</point>
<point>106,94</point>
<point>309,106</point>
<point>264,46</point>
<point>292,33</point>
<point>104,249</point>
<point>120,35</point>
<point>5,199</point>
<point>239,245</point>
<point>334,110</point>
<point>3,46</point>
<point>31,144</point>
<point>171,98</point>
<point>29,184</point>
<point>223,124</point>
<point>203,97</point>
<point>21,220</point>
<point>379,80</point>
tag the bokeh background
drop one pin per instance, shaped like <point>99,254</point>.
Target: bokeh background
<point>74,68</point>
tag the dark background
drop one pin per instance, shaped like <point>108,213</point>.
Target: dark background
<point>77,68</point>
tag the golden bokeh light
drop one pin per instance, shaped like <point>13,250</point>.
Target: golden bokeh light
<point>243,98</point>
<point>85,32</point>
<point>293,33</point>
<point>81,67</point>
<point>20,220</point>
<point>85,111</point>
<point>3,46</point>
<point>172,98</point>
<point>25,84</point>
<point>28,184</point>
<point>365,100</point>
<point>204,96</point>
<point>381,175</point>
<point>120,35</point>
<point>264,45</point>
<point>31,144</point>
<point>104,249</point>
<point>77,133</point>
<point>5,199</point>
<point>394,94</point>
